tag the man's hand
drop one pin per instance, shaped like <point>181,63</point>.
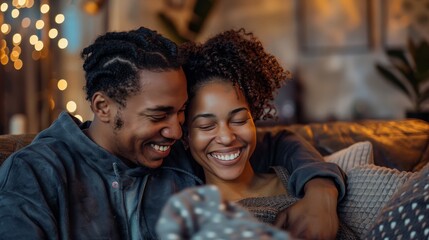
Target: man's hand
<point>315,215</point>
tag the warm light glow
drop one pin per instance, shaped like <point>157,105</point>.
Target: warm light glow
<point>4,7</point>
<point>91,7</point>
<point>52,103</point>
<point>38,46</point>
<point>29,3</point>
<point>36,55</point>
<point>71,106</point>
<point>62,84</point>
<point>17,49</point>
<point>40,24</point>
<point>15,13</point>
<point>33,39</point>
<point>17,38</point>
<point>26,22</point>
<point>44,8</point>
<point>21,2</point>
<point>2,44</point>
<point>79,117</point>
<point>5,28</point>
<point>62,43</point>
<point>18,64</point>
<point>4,59</point>
<point>14,55</point>
<point>59,18</point>
<point>53,33</point>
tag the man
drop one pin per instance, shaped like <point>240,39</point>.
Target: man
<point>109,178</point>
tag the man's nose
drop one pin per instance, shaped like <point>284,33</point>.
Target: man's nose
<point>173,130</point>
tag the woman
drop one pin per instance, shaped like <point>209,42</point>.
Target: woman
<point>231,80</point>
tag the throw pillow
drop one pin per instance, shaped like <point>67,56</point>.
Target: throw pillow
<point>357,154</point>
<point>369,187</point>
<point>200,213</point>
<point>406,214</point>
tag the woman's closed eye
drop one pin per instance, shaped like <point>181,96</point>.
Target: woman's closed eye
<point>240,121</point>
<point>206,127</point>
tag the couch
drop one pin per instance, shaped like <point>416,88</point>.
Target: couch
<point>399,149</point>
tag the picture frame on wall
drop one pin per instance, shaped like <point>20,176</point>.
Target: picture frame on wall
<point>402,19</point>
<point>334,26</point>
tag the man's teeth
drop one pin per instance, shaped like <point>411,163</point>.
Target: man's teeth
<point>160,148</point>
<point>225,157</point>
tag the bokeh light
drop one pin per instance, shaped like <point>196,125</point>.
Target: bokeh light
<point>62,84</point>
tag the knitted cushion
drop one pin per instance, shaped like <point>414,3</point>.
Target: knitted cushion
<point>369,187</point>
<point>406,214</point>
<point>359,153</point>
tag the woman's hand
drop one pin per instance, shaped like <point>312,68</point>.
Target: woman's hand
<point>315,215</point>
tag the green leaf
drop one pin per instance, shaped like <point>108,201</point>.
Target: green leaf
<point>424,96</point>
<point>398,54</point>
<point>392,78</point>
<point>422,77</point>
<point>411,48</point>
<point>399,60</point>
<point>422,57</point>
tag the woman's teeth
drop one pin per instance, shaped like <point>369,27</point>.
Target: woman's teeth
<point>160,148</point>
<point>225,157</point>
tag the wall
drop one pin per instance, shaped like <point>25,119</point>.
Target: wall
<point>335,86</point>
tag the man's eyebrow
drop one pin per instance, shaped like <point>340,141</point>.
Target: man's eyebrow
<point>160,109</point>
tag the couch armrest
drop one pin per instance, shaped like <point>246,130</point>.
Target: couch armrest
<point>11,143</point>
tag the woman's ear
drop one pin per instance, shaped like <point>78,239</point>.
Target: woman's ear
<point>101,105</point>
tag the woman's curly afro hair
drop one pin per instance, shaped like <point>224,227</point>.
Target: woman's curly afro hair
<point>238,57</point>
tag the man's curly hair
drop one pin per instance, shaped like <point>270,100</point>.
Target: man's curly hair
<point>238,57</point>
<point>113,62</point>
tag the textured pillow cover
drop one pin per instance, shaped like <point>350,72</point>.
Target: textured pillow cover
<point>359,153</point>
<point>369,187</point>
<point>406,214</point>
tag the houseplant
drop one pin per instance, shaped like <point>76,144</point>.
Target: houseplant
<point>409,72</point>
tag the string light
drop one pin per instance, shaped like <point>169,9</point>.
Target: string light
<point>25,23</point>
<point>44,8</point>
<point>59,18</point>
<point>62,84</point>
<point>34,24</point>
<point>62,43</point>
<point>18,27</point>
<point>71,106</point>
<point>79,117</point>
<point>4,7</point>
<point>40,24</point>
<point>14,13</point>
<point>53,33</point>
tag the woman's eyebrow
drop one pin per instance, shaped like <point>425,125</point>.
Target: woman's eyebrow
<point>238,110</point>
<point>203,115</point>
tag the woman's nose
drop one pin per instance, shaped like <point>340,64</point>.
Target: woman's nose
<point>225,135</point>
